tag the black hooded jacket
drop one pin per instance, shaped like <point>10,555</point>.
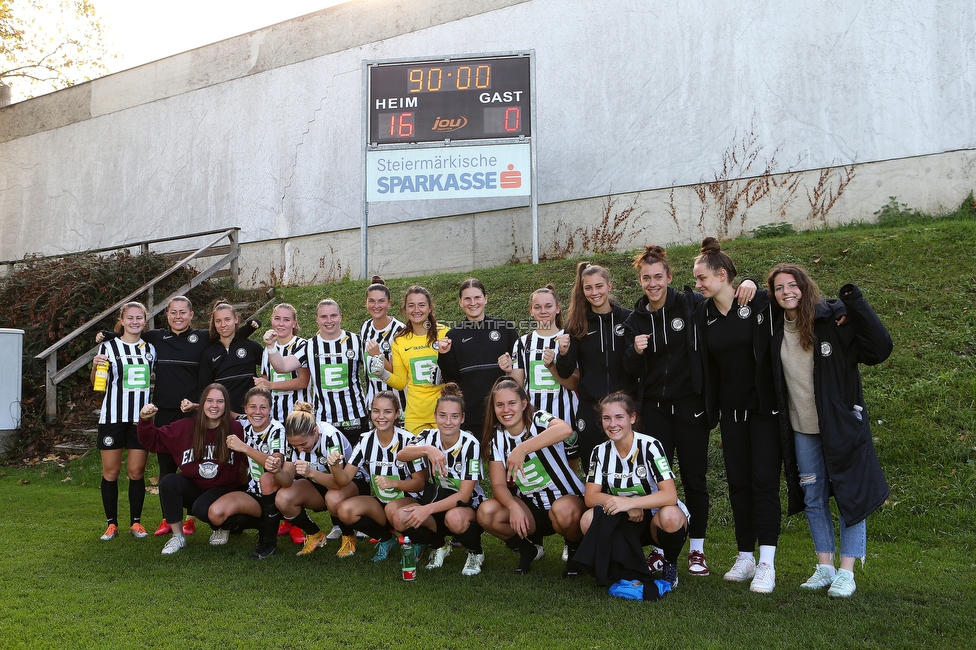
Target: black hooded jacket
<point>856,478</point>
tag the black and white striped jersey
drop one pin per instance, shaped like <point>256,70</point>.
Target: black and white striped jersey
<point>375,460</point>
<point>544,391</point>
<point>337,391</point>
<point>283,401</point>
<point>546,474</point>
<point>637,474</point>
<point>330,439</point>
<point>269,441</point>
<point>130,367</point>
<point>463,461</point>
<point>384,338</point>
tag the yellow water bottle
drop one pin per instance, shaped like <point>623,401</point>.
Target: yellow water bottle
<point>101,376</point>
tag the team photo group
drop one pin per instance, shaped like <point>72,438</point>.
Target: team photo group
<point>413,429</point>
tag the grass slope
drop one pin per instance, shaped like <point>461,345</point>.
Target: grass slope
<point>60,586</point>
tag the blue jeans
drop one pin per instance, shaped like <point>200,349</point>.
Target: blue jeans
<point>816,497</point>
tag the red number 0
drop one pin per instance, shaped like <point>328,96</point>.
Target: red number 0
<point>513,118</point>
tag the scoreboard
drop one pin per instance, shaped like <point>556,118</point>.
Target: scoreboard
<point>450,99</point>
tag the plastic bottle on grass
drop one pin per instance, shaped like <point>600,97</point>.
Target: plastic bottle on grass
<point>408,560</point>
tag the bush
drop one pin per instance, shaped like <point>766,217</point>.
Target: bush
<point>49,298</point>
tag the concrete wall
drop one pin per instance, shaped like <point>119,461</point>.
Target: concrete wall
<point>264,130</point>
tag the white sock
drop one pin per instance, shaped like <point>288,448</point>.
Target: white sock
<point>767,554</point>
<point>747,555</point>
<point>696,545</point>
<point>177,532</point>
<point>850,573</point>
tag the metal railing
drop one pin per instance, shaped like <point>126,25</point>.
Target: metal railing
<point>230,252</point>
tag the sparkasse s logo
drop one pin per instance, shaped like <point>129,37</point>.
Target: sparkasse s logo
<point>448,124</point>
<point>510,179</point>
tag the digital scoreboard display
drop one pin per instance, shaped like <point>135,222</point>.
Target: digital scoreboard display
<point>456,99</point>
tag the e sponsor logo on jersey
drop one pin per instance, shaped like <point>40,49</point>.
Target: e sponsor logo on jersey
<point>135,376</point>
<point>334,376</point>
<point>632,491</point>
<point>661,462</point>
<point>385,495</point>
<point>540,378</point>
<point>533,476</point>
<point>422,370</point>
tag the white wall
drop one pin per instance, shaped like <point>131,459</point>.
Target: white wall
<point>631,97</point>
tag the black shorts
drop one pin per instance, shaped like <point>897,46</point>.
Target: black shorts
<point>121,435</point>
<point>543,525</point>
<point>362,485</point>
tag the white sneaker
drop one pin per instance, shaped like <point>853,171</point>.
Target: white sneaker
<point>842,586</point>
<point>219,537</point>
<point>821,578</point>
<point>334,534</point>
<point>743,569</point>
<point>472,566</point>
<point>173,544</point>
<point>765,580</point>
<point>437,557</point>
<point>540,552</point>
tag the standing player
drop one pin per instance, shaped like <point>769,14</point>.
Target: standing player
<point>740,394</point>
<point>334,359</point>
<point>287,389</point>
<point>377,334</point>
<point>469,353</point>
<point>536,492</point>
<point>231,359</point>
<point>532,363</point>
<point>450,500</point>
<point>415,351</point>
<point>130,364</point>
<point>593,343</point>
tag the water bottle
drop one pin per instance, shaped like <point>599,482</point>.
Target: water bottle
<point>408,560</point>
<point>101,377</point>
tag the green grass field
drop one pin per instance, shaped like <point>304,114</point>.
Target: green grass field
<point>61,586</point>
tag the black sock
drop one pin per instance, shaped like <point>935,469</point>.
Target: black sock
<point>424,535</point>
<point>268,530</point>
<point>471,538</point>
<point>526,550</point>
<point>305,522</point>
<point>671,543</point>
<point>137,497</point>
<point>347,530</point>
<point>373,529</point>
<point>110,500</point>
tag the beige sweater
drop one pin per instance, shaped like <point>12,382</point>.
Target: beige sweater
<point>798,372</point>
